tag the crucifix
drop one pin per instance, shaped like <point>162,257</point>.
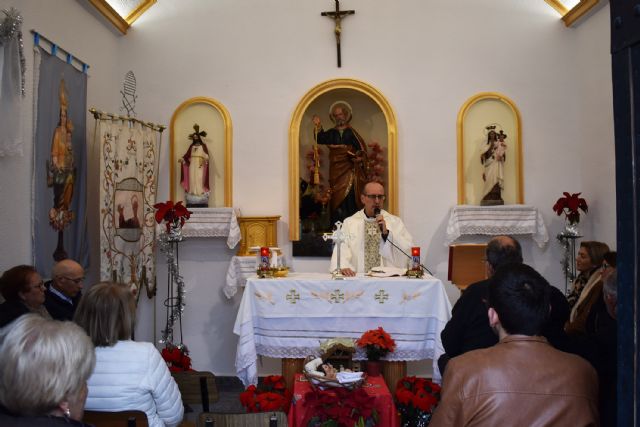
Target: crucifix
<point>337,16</point>
<point>338,236</point>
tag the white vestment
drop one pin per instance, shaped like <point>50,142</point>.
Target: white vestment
<point>352,251</point>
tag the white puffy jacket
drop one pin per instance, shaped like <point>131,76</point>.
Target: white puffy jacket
<point>133,376</point>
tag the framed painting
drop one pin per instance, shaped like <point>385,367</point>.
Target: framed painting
<point>201,154</point>
<point>342,134</point>
<point>489,151</point>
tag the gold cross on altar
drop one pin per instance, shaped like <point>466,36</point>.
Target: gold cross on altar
<point>381,296</point>
<point>337,16</point>
<point>293,296</point>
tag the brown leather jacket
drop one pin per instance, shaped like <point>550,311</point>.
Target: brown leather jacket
<point>521,381</point>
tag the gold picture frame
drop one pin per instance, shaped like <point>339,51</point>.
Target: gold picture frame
<point>478,113</point>
<point>374,119</point>
<point>212,117</point>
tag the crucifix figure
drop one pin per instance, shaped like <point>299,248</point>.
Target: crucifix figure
<point>338,236</point>
<point>337,16</point>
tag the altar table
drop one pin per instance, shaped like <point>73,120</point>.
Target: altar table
<point>289,317</point>
<point>374,386</point>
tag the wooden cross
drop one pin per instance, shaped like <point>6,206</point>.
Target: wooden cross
<point>337,16</point>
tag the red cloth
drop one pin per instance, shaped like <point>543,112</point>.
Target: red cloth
<point>374,386</point>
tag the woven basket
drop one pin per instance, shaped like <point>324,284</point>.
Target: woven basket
<point>320,382</point>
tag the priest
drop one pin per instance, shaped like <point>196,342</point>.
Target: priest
<point>375,237</point>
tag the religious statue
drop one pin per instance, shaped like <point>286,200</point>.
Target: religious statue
<point>348,161</point>
<point>492,158</point>
<point>194,173</point>
<point>61,169</point>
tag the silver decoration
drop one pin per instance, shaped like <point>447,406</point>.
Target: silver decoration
<point>168,244</point>
<point>567,239</point>
<point>11,28</point>
<point>128,93</point>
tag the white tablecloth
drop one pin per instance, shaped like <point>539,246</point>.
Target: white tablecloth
<point>496,220</point>
<point>213,222</point>
<point>289,317</point>
<point>240,269</point>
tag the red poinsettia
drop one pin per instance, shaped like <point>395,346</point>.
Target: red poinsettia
<point>177,358</point>
<point>377,343</point>
<point>416,398</point>
<point>340,407</point>
<point>571,205</point>
<point>271,395</point>
<point>171,213</point>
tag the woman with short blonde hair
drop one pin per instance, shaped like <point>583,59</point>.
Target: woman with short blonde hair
<point>129,375</point>
<point>44,371</point>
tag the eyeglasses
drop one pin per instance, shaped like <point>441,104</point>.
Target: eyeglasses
<point>375,196</point>
<point>76,281</point>
<point>604,266</point>
<point>38,286</point>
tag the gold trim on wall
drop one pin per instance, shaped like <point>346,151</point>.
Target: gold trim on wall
<point>578,11</point>
<point>121,23</point>
<point>228,154</point>
<point>294,145</point>
<point>460,129</point>
<point>558,6</point>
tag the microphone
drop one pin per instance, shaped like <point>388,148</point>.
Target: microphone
<point>376,212</point>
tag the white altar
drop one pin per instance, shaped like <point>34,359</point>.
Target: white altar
<point>289,317</point>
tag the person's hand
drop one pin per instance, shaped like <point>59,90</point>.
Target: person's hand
<point>348,272</point>
<point>180,160</point>
<point>316,120</point>
<point>382,224</point>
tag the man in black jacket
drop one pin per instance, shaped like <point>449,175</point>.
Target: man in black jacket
<point>64,290</point>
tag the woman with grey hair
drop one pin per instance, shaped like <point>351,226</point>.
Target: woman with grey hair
<point>129,375</point>
<point>44,371</point>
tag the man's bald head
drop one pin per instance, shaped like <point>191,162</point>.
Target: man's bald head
<point>502,250</point>
<point>68,277</point>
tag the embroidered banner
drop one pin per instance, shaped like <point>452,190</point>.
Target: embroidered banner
<point>128,177</point>
<point>59,181</point>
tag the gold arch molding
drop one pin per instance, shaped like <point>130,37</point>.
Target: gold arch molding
<point>214,118</point>
<point>478,111</point>
<point>383,118</point>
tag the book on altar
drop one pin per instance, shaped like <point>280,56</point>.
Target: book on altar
<point>387,272</point>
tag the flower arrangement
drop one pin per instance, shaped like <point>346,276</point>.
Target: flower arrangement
<point>271,395</point>
<point>172,214</point>
<point>376,163</point>
<point>570,205</point>
<point>177,357</point>
<point>339,407</point>
<point>377,343</point>
<point>416,398</point>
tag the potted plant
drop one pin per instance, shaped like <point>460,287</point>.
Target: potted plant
<point>377,343</point>
<point>270,395</point>
<point>416,398</point>
<point>570,205</point>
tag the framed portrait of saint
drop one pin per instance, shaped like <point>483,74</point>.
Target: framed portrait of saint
<point>342,135</point>
<point>489,151</point>
<point>201,154</point>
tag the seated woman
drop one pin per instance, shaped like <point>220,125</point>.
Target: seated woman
<point>43,374</point>
<point>587,288</point>
<point>23,291</point>
<point>129,375</point>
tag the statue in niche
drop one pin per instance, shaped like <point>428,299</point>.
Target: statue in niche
<point>194,173</point>
<point>348,161</point>
<point>492,158</point>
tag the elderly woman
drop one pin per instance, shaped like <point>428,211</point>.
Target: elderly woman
<point>23,291</point>
<point>129,375</point>
<point>587,288</point>
<point>43,374</point>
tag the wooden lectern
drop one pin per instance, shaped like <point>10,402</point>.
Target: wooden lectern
<point>467,264</point>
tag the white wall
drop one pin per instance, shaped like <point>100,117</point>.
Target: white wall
<point>259,58</point>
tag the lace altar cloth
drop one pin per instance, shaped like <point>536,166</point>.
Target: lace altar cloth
<point>289,317</point>
<point>496,220</point>
<point>240,268</point>
<point>212,222</point>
